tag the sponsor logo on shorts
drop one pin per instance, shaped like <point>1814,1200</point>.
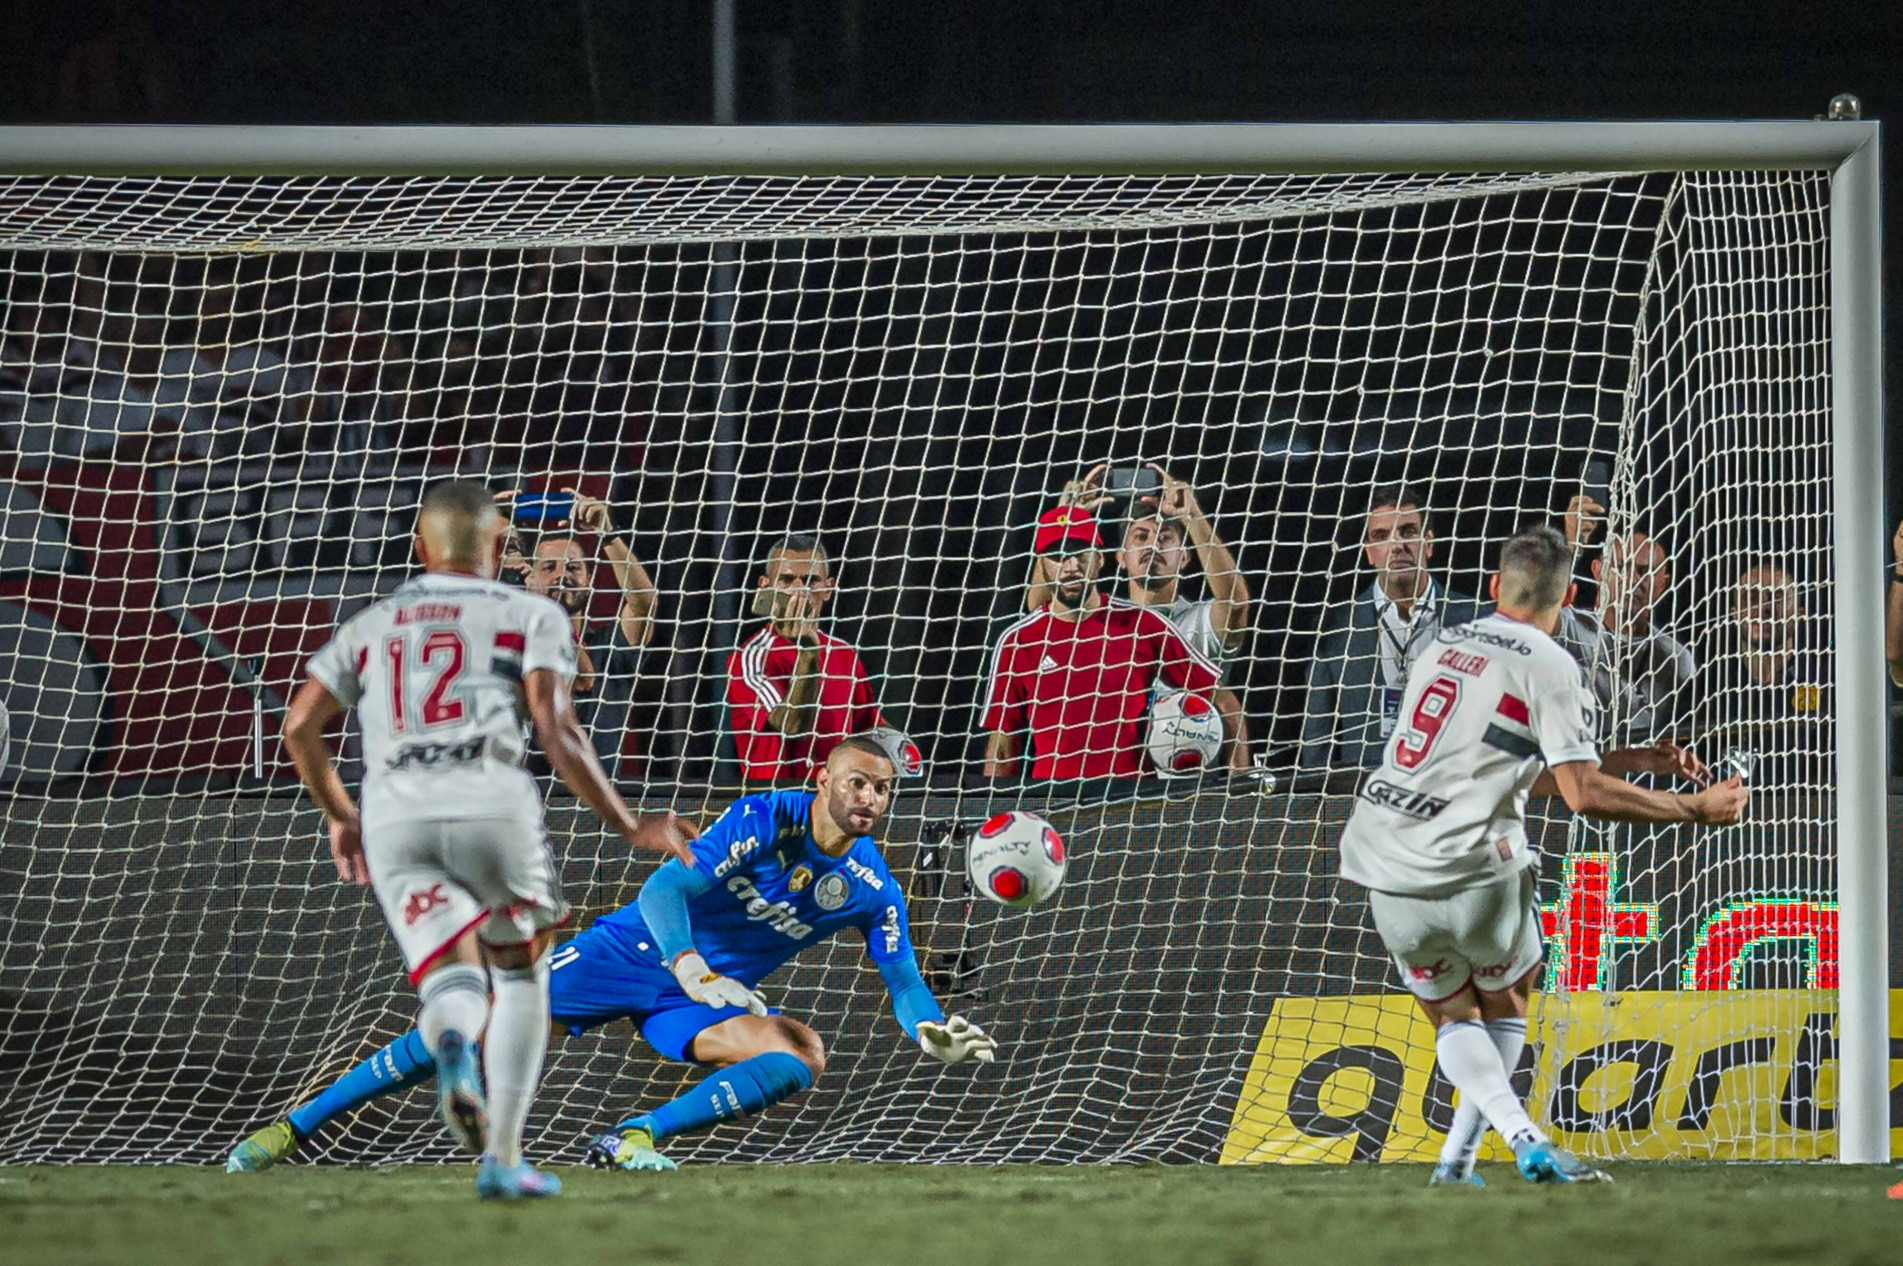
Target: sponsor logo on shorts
<point>1428,971</point>
<point>421,901</point>
<point>832,891</point>
<point>435,755</point>
<point>1403,800</point>
<point>1492,971</point>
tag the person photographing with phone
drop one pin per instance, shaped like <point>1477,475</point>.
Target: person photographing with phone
<point>1163,526</point>
<point>794,690</point>
<point>553,563</point>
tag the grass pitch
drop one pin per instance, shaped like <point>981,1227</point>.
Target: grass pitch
<point>921,1216</point>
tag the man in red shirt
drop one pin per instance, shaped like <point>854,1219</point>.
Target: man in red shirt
<point>1078,672</point>
<point>795,691</point>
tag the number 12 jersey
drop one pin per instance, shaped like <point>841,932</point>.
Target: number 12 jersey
<point>1484,709</point>
<point>435,673</point>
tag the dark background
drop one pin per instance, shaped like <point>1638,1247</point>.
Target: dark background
<point>849,61</point>
<point>952,61</point>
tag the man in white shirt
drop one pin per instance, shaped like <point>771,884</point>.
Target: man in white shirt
<point>447,675</point>
<point>1495,712</point>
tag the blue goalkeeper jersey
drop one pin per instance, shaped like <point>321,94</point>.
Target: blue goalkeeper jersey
<point>774,893</point>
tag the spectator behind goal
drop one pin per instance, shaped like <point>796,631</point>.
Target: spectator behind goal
<point>1157,541</point>
<point>607,658</point>
<point>793,689</point>
<point>1766,686</point>
<point>1078,673</point>
<point>1366,649</point>
<point>1638,670</point>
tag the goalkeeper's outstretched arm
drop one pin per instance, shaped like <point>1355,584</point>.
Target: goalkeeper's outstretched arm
<point>952,1041</point>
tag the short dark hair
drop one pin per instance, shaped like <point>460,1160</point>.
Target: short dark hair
<point>552,534</point>
<point>1536,566</point>
<point>1399,496</point>
<point>457,496</point>
<point>800,543</point>
<point>864,743</point>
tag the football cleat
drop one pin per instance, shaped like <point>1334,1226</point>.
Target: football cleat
<point>267,1147</point>
<point>521,1181</point>
<point>459,1093</point>
<point>1446,1175</point>
<point>1543,1162</point>
<point>630,1149</point>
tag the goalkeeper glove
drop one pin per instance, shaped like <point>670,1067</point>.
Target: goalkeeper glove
<point>955,1041</point>
<point>711,989</point>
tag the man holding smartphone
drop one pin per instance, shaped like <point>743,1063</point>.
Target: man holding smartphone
<point>794,690</point>
<point>554,565</point>
<point>1164,526</point>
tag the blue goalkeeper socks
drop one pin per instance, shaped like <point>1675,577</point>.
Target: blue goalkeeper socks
<point>749,1086</point>
<point>398,1066</point>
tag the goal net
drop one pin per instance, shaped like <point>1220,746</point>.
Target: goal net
<point>221,397</point>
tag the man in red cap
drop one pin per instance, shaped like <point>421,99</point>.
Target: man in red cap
<point>1078,672</point>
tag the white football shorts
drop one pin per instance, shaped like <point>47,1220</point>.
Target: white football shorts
<point>437,878</point>
<point>1489,935</point>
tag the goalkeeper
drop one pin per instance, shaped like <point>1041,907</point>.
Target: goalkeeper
<point>776,874</point>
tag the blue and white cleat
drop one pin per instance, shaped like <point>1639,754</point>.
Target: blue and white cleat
<point>1543,1162</point>
<point>1446,1175</point>
<point>262,1150</point>
<point>521,1181</point>
<point>459,1093</point>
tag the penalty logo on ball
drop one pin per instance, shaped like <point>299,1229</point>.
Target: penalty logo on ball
<point>1185,734</point>
<point>1016,859</point>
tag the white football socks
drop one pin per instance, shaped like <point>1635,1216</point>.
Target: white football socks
<point>1469,1127</point>
<point>455,999</point>
<point>512,1054</point>
<point>1471,1060</point>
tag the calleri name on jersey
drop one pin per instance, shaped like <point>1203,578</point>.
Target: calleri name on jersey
<point>1490,704</point>
<point>435,674</point>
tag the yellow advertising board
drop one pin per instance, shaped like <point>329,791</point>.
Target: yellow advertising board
<point>1720,1074</point>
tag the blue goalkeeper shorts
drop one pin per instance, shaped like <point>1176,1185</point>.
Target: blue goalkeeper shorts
<point>597,978</point>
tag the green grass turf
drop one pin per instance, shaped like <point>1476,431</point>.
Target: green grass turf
<point>789,1215</point>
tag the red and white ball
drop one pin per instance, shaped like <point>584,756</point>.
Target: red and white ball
<point>1016,859</point>
<point>1185,734</point>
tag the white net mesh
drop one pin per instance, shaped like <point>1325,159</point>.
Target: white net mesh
<point>220,399</point>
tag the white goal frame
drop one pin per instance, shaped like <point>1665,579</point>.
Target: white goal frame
<point>1848,150</point>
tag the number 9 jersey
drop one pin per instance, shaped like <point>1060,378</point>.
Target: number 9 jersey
<point>1487,705</point>
<point>435,673</point>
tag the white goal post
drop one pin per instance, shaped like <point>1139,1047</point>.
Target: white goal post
<point>1847,151</point>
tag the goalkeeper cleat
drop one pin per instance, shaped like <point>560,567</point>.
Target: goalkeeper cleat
<point>459,1093</point>
<point>521,1181</point>
<point>1446,1175</point>
<point>1543,1162</point>
<point>267,1147</point>
<point>630,1149</point>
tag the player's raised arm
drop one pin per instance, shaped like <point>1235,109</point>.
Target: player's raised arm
<point>572,756</point>
<point>312,708</point>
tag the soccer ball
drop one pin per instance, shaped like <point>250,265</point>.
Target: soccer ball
<point>1016,859</point>
<point>1185,734</point>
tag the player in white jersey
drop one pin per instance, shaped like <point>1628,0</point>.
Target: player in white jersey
<point>1493,713</point>
<point>444,675</point>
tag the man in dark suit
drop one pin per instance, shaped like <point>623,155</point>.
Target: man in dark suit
<point>1367,647</point>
